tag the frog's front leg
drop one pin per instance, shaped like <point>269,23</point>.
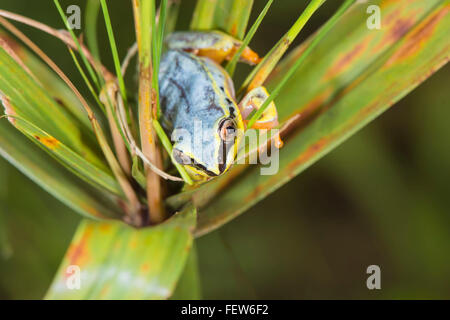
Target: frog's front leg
<point>254,100</point>
<point>215,45</point>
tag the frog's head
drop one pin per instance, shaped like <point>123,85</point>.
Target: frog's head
<point>210,150</point>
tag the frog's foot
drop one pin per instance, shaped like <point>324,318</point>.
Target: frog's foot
<point>215,45</point>
<point>269,118</point>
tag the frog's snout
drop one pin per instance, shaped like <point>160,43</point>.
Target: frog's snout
<point>204,163</point>
<point>193,166</point>
<point>181,157</point>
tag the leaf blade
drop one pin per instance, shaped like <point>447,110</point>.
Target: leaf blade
<point>32,102</point>
<point>343,109</point>
<point>118,262</point>
<point>48,174</point>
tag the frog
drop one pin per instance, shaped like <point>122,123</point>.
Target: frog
<point>194,89</point>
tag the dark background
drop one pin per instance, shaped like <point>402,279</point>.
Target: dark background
<point>380,198</point>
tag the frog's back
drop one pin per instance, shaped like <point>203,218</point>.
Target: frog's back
<point>189,90</point>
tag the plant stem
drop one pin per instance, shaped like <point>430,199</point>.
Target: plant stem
<point>143,10</point>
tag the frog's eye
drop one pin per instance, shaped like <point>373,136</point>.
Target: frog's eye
<point>227,130</point>
<point>180,157</point>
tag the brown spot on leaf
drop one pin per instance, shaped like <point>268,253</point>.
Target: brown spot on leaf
<point>397,28</point>
<point>346,59</point>
<point>418,37</point>
<point>311,151</point>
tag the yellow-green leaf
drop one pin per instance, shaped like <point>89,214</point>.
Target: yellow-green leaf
<point>116,261</point>
<point>52,177</point>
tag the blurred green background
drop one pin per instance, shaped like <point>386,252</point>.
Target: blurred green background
<point>381,198</point>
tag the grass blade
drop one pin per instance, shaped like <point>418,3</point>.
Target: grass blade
<point>114,51</point>
<point>132,205</point>
<point>32,103</point>
<point>259,74</point>
<point>238,17</point>
<point>322,33</point>
<point>91,18</point>
<point>203,18</point>
<point>172,16</point>
<point>86,80</point>
<point>52,177</point>
<point>75,39</point>
<point>230,16</point>
<point>66,156</point>
<point>52,85</point>
<point>231,66</point>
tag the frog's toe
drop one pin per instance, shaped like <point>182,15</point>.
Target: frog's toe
<point>253,101</point>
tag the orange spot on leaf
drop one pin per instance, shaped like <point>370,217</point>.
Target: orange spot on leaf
<point>234,30</point>
<point>105,227</point>
<point>145,267</point>
<point>133,244</point>
<point>78,252</point>
<point>92,211</point>
<point>49,142</point>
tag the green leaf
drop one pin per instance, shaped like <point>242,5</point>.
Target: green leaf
<point>17,103</point>
<point>75,39</point>
<point>259,74</point>
<point>248,37</point>
<point>31,102</point>
<point>91,21</point>
<point>67,157</point>
<point>203,18</point>
<point>115,53</point>
<point>236,20</point>
<point>230,16</point>
<point>172,16</point>
<point>53,85</point>
<point>119,262</point>
<point>351,77</point>
<point>52,177</point>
